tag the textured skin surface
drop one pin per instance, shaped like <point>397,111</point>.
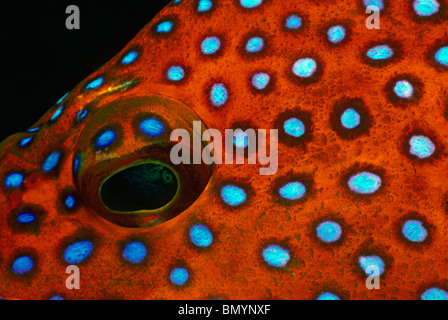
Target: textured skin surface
<point>233,266</point>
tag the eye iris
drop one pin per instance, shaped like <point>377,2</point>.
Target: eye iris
<point>147,186</point>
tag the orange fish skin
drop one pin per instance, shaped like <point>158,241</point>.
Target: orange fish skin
<point>232,267</point>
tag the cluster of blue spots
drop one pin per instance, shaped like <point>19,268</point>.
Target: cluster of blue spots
<point>135,252</point>
<point>403,89</point>
<point>57,297</point>
<point>25,141</point>
<point>201,236</point>
<point>367,262</point>
<point>336,34</point>
<point>52,161</point>
<point>350,118</point>
<point>164,27</point>
<point>33,129</point>
<point>426,8</point>
<point>95,84</point>
<point>175,73</point>
<point>376,3</point>
<point>328,296</point>
<point>294,127</point>
<point>292,190</point>
<point>381,52</point>
<point>204,5</point>
<point>293,22</point>
<point>260,80</point>
<point>14,180</point>
<point>305,67</point>
<point>179,276</point>
<point>106,139</point>
<point>130,57</point>
<point>210,45</point>
<point>414,231</point>
<point>241,139</point>
<point>434,294</point>
<point>422,147</point>
<point>364,182</point>
<point>26,217</point>
<point>78,252</point>
<point>81,114</point>
<point>60,100</point>
<point>22,265</point>
<point>57,113</point>
<point>276,256</point>
<point>152,127</point>
<point>442,56</point>
<point>250,3</point>
<point>233,195</point>
<point>218,95</point>
<point>329,231</point>
<point>70,202</point>
<point>255,44</point>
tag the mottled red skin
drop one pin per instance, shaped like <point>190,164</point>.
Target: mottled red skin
<point>233,267</point>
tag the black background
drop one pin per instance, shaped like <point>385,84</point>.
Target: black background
<point>41,59</point>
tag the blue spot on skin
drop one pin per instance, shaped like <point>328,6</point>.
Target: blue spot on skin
<point>377,3</point>
<point>293,22</point>
<point>250,3</point>
<point>95,84</point>
<point>434,294</point>
<point>70,201</point>
<point>328,296</point>
<point>364,183</point>
<point>305,67</point>
<point>76,163</point>
<point>426,8</point>
<point>152,127</point>
<point>165,27</point>
<point>60,100</point>
<point>81,114</point>
<point>218,95</point>
<point>51,162</point>
<point>350,119</point>
<point>414,231</point>
<point>403,89</point>
<point>441,56</point>
<point>78,252</point>
<point>26,217</point>
<point>210,45</point>
<point>22,265</point>
<point>175,73</point>
<point>25,141</point>
<point>106,139</point>
<point>241,139</point>
<point>294,127</point>
<point>201,236</point>
<point>204,5</point>
<point>292,190</point>
<point>254,44</point>
<point>134,252</point>
<point>381,52</point>
<point>422,147</point>
<point>14,180</point>
<point>56,114</point>
<point>373,260</point>
<point>130,57</point>
<point>336,34</point>
<point>56,298</point>
<point>276,256</point>
<point>233,195</point>
<point>329,231</point>
<point>33,129</point>
<point>179,276</point>
<point>260,80</point>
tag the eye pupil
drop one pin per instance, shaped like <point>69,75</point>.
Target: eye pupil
<point>148,186</point>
